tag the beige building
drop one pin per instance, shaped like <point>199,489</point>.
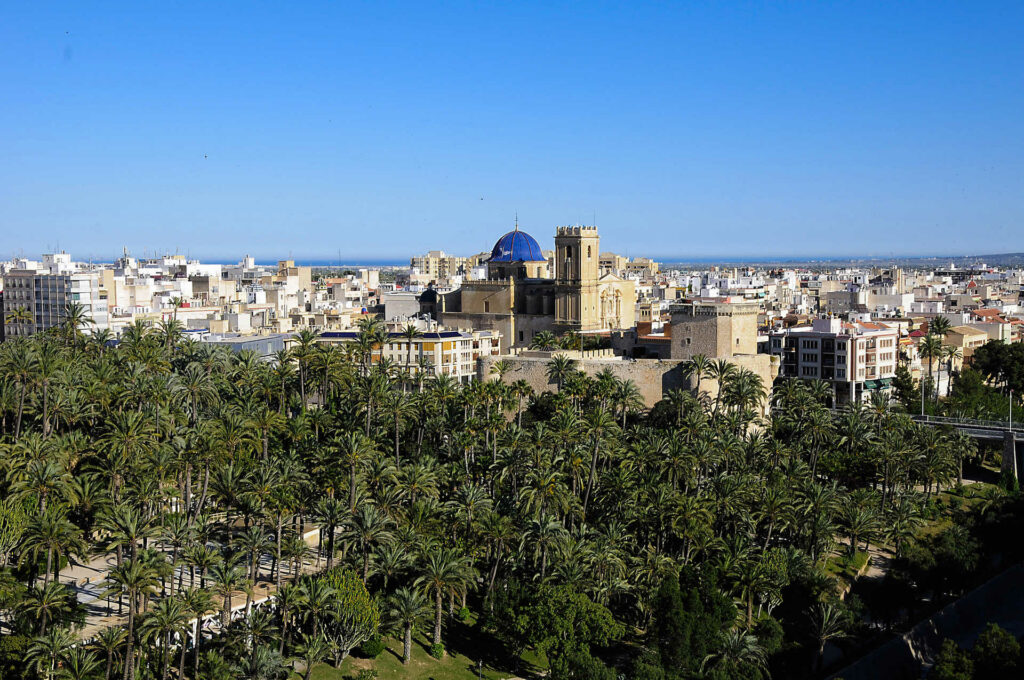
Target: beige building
<point>453,353</point>
<point>519,298</point>
<point>437,265</point>
<point>966,339</point>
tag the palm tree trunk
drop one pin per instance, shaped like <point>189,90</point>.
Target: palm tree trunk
<point>129,660</point>
<point>21,411</point>
<point>166,657</point>
<point>437,617</point>
<point>195,648</point>
<point>590,478</point>
<point>352,488</point>
<point>407,644</point>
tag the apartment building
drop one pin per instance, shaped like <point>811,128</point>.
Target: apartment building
<point>436,265</point>
<point>855,358</point>
<point>35,301</point>
<point>453,353</point>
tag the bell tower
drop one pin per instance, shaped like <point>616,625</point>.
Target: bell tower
<point>577,253</point>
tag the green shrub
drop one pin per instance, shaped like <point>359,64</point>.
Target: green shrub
<point>12,654</point>
<point>366,674</point>
<point>437,651</point>
<point>464,615</point>
<point>372,648</point>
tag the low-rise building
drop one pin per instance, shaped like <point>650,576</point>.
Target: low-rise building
<point>453,353</point>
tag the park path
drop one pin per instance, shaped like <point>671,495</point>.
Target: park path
<point>86,581</point>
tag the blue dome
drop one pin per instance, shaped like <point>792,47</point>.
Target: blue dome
<point>517,246</point>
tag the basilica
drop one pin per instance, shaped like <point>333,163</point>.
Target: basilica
<point>525,293</point>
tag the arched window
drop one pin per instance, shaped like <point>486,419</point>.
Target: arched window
<point>588,252</point>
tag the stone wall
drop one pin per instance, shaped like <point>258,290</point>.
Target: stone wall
<point>653,377</point>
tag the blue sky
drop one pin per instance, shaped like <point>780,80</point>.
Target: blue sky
<point>383,129</point>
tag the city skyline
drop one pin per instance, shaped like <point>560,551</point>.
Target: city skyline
<point>701,133</point>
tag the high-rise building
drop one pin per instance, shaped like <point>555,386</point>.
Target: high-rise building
<point>35,301</point>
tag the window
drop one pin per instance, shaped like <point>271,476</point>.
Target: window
<point>487,307</point>
<point>520,336</point>
<point>687,341</point>
<point>588,251</point>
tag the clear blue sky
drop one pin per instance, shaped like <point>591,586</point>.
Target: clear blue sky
<point>384,129</point>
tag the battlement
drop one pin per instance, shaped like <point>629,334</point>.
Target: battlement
<point>577,230</point>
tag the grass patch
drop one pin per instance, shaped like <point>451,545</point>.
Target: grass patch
<point>846,566</point>
<point>467,647</point>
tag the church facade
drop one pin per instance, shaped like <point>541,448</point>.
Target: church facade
<point>523,295</point>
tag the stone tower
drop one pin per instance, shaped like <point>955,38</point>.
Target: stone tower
<point>576,274</point>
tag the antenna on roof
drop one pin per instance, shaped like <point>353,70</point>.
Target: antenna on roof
<point>517,220</point>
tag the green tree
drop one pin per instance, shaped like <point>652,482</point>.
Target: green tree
<point>952,663</point>
<point>996,654</point>
<point>406,608</point>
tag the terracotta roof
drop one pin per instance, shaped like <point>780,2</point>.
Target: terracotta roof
<point>917,334</point>
<point>985,312</point>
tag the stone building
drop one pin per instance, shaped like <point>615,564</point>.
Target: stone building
<point>715,329</point>
<point>522,297</point>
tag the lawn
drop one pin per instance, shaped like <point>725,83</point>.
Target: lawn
<point>467,647</point>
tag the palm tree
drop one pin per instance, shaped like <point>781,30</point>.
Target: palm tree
<point>828,624</point>
<point>21,368</point>
<point>19,315</point>
<point>198,603</point>
<point>317,601</point>
<point>399,408</point>
<point>228,577</point>
<point>369,526</point>
<point>48,650</point>
<point>442,574</point>
<point>410,332</point>
<point>289,598</point>
<point>738,649</point>
<point>698,366</point>
<point>560,367</point>
<point>168,617</point>
<point>930,348</point>
<point>312,650</point>
<point>54,535</point>
<point>720,371</point>
<point>79,663</point>
<point>331,513</point>
<point>952,354</point>
<point>599,423</point>
<point>46,602</point>
<point>353,448</point>
<point>500,368</point>
<point>75,317</point>
<point>406,608</point>
<point>543,340</point>
<point>109,641</point>
<point>135,580</point>
<point>303,351</point>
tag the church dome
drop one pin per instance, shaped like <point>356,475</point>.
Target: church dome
<point>517,246</point>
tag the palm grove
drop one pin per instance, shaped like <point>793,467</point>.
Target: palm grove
<point>688,540</point>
